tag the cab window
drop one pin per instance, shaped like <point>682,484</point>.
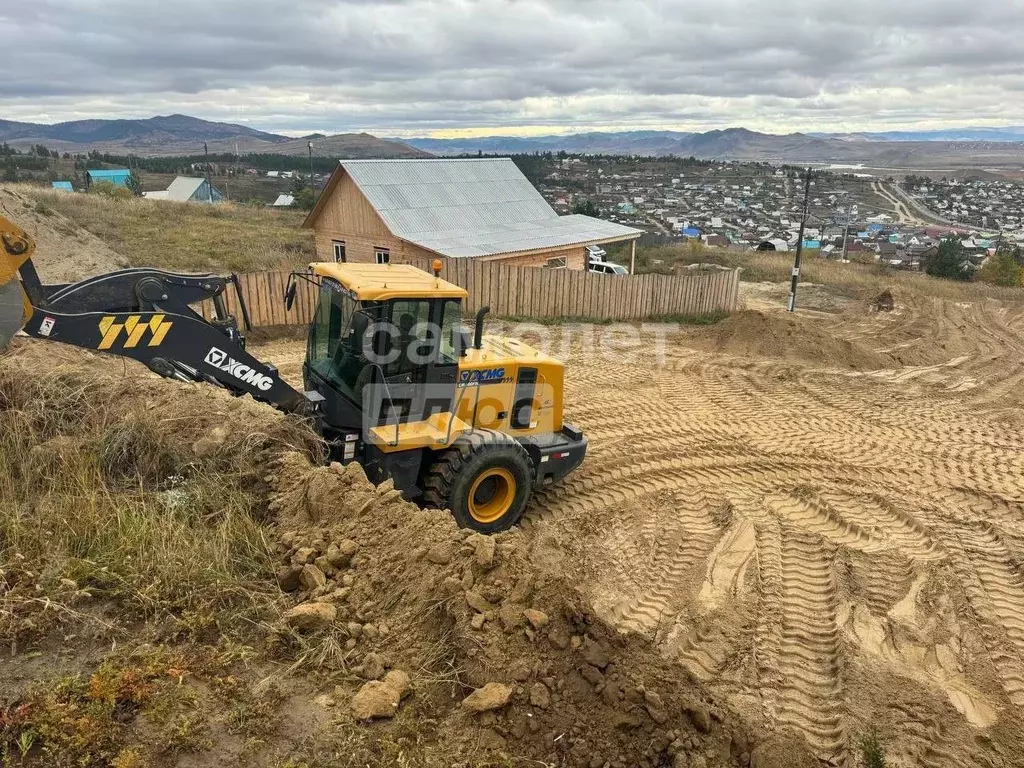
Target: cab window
<point>332,353</point>
<point>333,311</point>
<point>411,342</point>
<point>451,323</point>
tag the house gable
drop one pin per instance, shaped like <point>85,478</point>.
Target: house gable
<point>343,208</point>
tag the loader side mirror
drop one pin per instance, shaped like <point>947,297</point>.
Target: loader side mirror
<point>289,295</point>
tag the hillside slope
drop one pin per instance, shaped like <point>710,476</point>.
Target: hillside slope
<point>184,135</point>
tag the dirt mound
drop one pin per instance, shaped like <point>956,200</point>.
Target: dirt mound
<point>505,658</point>
<point>65,252</point>
<point>783,336</point>
<point>883,302</point>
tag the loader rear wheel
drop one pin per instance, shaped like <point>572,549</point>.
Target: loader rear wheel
<point>484,478</point>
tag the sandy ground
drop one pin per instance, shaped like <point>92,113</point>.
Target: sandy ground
<point>65,252</point>
<point>824,523</point>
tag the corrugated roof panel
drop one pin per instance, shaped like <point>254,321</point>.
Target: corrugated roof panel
<point>183,187</point>
<point>523,236</point>
<point>473,207</point>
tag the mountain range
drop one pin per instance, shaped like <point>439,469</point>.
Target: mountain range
<point>731,144</point>
<point>184,135</point>
<point>1007,134</point>
<point>894,150</point>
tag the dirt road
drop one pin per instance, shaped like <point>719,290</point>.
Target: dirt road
<point>832,548</point>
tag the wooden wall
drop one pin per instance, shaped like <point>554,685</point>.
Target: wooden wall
<point>524,292</point>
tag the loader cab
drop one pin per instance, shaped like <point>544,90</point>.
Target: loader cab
<point>384,344</point>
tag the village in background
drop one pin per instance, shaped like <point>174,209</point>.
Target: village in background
<point>870,215</point>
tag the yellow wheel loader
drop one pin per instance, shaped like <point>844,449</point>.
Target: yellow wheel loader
<point>392,380</point>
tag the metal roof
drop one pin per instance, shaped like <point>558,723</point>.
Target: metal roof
<point>183,187</point>
<point>523,236</point>
<point>115,176</point>
<point>64,186</point>
<point>474,207</point>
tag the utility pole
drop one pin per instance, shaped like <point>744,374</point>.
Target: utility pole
<point>209,184</point>
<point>846,238</point>
<point>312,188</point>
<point>800,244</point>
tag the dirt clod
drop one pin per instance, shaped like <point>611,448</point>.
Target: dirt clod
<point>478,602</point>
<point>484,551</point>
<point>309,617</point>
<point>538,619</point>
<point>540,696</point>
<point>491,696</point>
<point>311,577</point>
<point>288,578</point>
<point>373,667</point>
<point>380,698</point>
<point>700,716</point>
<point>596,654</point>
<point>440,554</point>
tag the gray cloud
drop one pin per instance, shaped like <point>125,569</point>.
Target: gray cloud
<point>410,66</point>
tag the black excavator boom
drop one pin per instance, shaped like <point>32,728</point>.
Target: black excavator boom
<point>145,314</point>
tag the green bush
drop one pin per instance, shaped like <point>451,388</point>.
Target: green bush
<point>1001,269</point>
<point>949,262</point>
<point>111,190</point>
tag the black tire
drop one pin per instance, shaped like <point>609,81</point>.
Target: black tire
<point>462,476</point>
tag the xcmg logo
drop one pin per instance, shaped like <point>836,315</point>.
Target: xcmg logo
<point>220,360</point>
<point>483,376</point>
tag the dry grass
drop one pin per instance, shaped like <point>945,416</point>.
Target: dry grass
<point>106,491</point>
<point>185,236</point>
<point>131,514</point>
<point>857,280</point>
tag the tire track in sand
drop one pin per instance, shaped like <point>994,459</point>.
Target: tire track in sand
<point>995,588</point>
<point>673,537</point>
<point>809,665</point>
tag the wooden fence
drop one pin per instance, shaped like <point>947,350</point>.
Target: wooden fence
<point>524,292</point>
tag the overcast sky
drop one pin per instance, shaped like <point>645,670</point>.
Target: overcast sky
<point>420,67</point>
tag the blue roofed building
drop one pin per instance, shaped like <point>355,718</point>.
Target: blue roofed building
<point>116,176</point>
<point>63,186</point>
<point>812,245</point>
<point>691,232</point>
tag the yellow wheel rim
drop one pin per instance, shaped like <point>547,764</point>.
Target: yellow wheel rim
<point>492,495</point>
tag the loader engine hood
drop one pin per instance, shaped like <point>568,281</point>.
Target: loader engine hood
<point>511,387</point>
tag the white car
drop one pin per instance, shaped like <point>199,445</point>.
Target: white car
<point>596,253</point>
<point>607,268</point>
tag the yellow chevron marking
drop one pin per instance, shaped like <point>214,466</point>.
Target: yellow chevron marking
<point>110,331</point>
<point>135,329</point>
<point>159,333</point>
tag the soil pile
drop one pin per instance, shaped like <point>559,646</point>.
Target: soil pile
<point>65,252</point>
<point>504,657</point>
<point>778,336</point>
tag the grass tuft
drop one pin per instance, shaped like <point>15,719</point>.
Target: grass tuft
<point>872,751</point>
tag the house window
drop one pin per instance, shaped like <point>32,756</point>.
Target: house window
<point>558,262</point>
<point>339,250</point>
<point>383,255</point>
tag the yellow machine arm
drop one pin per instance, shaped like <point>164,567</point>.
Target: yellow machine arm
<point>16,248</point>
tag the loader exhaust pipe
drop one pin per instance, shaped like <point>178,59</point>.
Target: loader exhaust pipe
<point>478,336</point>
